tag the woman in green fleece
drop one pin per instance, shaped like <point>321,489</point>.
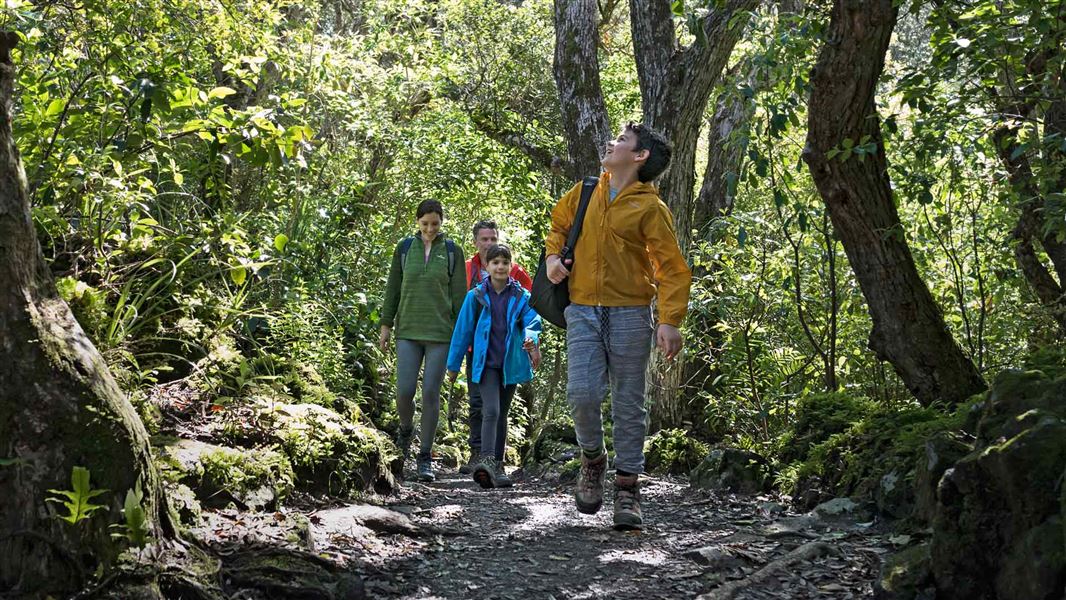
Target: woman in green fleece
<point>422,300</point>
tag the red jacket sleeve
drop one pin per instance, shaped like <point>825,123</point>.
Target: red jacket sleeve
<point>520,275</point>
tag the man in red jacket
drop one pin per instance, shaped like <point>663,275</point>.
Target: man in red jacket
<point>486,235</point>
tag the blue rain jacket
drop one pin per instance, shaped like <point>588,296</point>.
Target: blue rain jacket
<point>525,323</point>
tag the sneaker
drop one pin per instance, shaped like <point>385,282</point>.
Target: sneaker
<point>627,503</point>
<point>425,470</point>
<point>502,479</point>
<point>589,492</point>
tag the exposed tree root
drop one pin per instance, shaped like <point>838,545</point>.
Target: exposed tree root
<point>806,552</point>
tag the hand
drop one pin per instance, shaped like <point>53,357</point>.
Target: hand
<point>383,341</point>
<point>534,357</point>
<point>529,345</point>
<point>451,377</point>
<point>668,340</point>
<point>557,272</point>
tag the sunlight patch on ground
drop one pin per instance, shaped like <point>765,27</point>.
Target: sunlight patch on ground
<point>543,513</point>
<point>645,557</point>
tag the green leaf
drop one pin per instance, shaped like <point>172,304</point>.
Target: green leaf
<point>678,8</point>
<point>742,236</point>
<point>238,275</point>
<point>55,107</point>
<point>77,501</point>
<point>221,92</point>
<point>280,240</point>
<point>779,199</point>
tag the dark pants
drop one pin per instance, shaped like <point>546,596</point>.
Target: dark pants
<point>495,403</point>
<point>476,406</point>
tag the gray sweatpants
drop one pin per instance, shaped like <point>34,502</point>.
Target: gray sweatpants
<point>409,355</point>
<point>609,345</point>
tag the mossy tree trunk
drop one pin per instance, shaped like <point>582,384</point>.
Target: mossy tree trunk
<point>908,327</point>
<point>59,406</point>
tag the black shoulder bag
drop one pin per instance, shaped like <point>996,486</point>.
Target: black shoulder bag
<point>550,299</point>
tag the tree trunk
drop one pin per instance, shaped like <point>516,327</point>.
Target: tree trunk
<point>908,327</point>
<point>577,77</point>
<point>1031,223</point>
<point>59,406</point>
<point>675,86</point>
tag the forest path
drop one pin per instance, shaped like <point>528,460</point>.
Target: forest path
<point>452,540</point>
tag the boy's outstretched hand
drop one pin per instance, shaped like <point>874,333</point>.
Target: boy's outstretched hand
<point>668,340</point>
<point>534,352</point>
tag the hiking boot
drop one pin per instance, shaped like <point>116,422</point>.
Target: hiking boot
<point>485,472</point>
<point>627,503</point>
<point>425,470</point>
<point>589,492</point>
<point>502,479</point>
<point>403,441</point>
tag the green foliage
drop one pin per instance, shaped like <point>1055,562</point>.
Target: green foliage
<point>77,500</point>
<point>817,418</point>
<point>673,451</point>
<point>241,471</point>
<point>135,527</point>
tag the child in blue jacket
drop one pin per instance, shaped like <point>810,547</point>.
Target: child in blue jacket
<point>497,320</point>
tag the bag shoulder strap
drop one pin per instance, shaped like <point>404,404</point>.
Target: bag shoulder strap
<point>588,185</point>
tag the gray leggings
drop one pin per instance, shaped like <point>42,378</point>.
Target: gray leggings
<point>409,355</point>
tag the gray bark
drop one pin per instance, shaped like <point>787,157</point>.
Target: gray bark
<point>577,77</point>
<point>908,327</point>
<point>59,405</point>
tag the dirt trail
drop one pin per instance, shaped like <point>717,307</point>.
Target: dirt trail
<point>453,540</point>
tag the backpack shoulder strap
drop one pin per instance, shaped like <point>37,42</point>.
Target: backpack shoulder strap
<point>404,247</point>
<point>450,245</point>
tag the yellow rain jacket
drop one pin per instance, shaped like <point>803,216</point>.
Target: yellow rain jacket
<point>627,249</point>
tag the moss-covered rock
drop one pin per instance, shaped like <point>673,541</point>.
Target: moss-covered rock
<point>874,458</point>
<point>734,470</point>
<point>254,478</point>
<point>673,451</point>
<point>997,500</point>
<point>555,442</point>
<point>942,451</point>
<point>328,453</point>
<point>989,504</point>
<point>906,576</point>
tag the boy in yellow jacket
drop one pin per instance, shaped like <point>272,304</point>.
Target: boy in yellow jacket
<point>627,255</point>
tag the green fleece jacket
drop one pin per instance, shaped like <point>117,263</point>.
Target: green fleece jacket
<point>421,300</point>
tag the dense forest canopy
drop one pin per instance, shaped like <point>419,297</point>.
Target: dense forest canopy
<point>218,187</point>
